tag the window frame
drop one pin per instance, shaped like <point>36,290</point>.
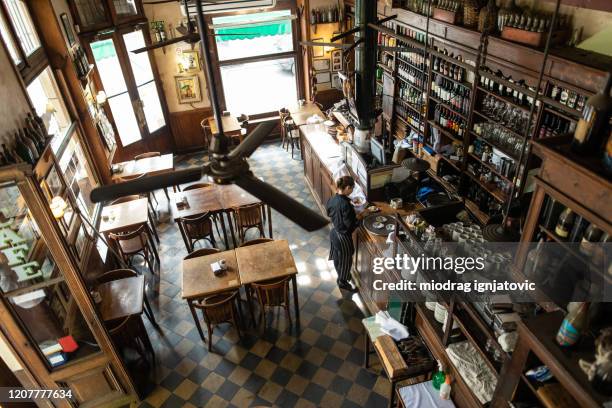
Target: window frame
<point>296,54</point>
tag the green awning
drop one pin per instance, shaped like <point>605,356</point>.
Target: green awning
<point>103,49</point>
<point>254,25</point>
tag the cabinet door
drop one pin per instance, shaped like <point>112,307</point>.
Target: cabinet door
<point>307,152</point>
<point>316,170</point>
<point>125,11</point>
<point>326,186</point>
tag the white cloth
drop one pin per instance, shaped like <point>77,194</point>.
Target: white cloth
<point>473,370</point>
<point>423,395</point>
<point>391,326</point>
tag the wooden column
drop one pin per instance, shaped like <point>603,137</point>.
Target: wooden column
<point>52,39</point>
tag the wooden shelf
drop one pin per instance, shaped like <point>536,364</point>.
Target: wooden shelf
<point>490,167</point>
<point>449,107</point>
<point>557,113</point>
<point>385,67</point>
<point>408,105</point>
<point>504,99</point>
<point>482,217</point>
<point>562,362</point>
<point>410,84</point>
<point>498,124</point>
<point>408,124</point>
<point>412,65</point>
<point>495,192</point>
<point>463,84</point>
<point>494,146</point>
<point>444,131</point>
<point>574,114</point>
<point>507,84</point>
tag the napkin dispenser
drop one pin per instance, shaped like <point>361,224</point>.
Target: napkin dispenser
<point>219,267</point>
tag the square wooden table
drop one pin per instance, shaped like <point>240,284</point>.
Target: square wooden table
<point>198,280</point>
<point>126,216</point>
<point>300,114</point>
<point>231,126</point>
<point>268,260</point>
<point>217,198</point>
<point>121,298</point>
<point>149,165</point>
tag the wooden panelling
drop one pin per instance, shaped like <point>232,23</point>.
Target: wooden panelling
<point>186,129</point>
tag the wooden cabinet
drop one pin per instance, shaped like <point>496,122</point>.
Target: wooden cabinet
<point>94,15</point>
<point>318,177</point>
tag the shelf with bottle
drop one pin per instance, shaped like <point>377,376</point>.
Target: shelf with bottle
<point>450,121</point>
<point>497,83</point>
<point>324,15</point>
<point>29,142</point>
<point>552,124</point>
<point>444,131</point>
<point>409,105</point>
<point>451,66</point>
<point>487,120</point>
<point>565,99</point>
<point>482,217</point>
<point>449,107</point>
<point>386,68</point>
<point>494,159</point>
<point>483,200</point>
<point>494,144</point>
<point>409,119</point>
<point>489,183</point>
<point>411,75</point>
<point>416,60</point>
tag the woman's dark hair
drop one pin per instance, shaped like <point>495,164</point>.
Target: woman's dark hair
<point>345,181</point>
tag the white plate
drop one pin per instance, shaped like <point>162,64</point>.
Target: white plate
<point>381,218</point>
<point>378,225</point>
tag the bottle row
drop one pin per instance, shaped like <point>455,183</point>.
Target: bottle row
<point>517,92</point>
<point>449,69</point>
<point>483,200</point>
<point>29,142</point>
<point>489,178</point>
<point>81,64</point>
<point>321,15</point>
<point>553,125</point>
<point>567,97</point>
<point>410,95</point>
<point>409,116</point>
<point>158,31</point>
<point>411,75</point>
<point>449,121</point>
<point>451,93</point>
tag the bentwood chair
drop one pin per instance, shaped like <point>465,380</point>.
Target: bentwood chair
<point>117,274</point>
<point>256,241</point>
<point>136,243</point>
<point>130,332</point>
<point>247,217</point>
<point>205,185</point>
<point>147,195</point>
<point>207,132</point>
<point>217,309</point>
<point>270,294</point>
<point>151,224</point>
<point>197,228</point>
<point>153,154</point>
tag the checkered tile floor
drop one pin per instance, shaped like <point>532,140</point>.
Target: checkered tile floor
<point>319,366</point>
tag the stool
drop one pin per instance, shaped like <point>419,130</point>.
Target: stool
<point>393,363</point>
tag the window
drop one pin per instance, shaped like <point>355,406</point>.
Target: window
<point>256,45</point>
<point>22,26</point>
<point>49,105</point>
<point>129,83</point>
<point>8,40</point>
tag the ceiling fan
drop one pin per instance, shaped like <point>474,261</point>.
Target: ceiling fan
<point>188,31</point>
<point>224,167</point>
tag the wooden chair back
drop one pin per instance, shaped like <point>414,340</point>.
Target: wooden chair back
<point>115,274</point>
<point>132,242</point>
<point>249,215</point>
<point>202,252</point>
<point>218,308</point>
<point>147,155</point>
<point>273,293</point>
<point>256,241</point>
<point>197,226</point>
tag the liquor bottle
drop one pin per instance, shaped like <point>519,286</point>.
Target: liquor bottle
<point>35,132</point>
<point>33,136</point>
<point>40,124</point>
<point>23,138</point>
<point>573,325</point>
<point>565,223</point>
<point>23,151</point>
<point>591,235</point>
<point>593,125</point>
<point>8,155</point>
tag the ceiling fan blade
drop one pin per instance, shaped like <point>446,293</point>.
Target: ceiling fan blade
<point>146,184</point>
<point>324,44</point>
<point>253,140</point>
<point>186,38</point>
<point>298,213</point>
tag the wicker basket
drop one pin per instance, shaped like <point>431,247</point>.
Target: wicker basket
<point>487,19</point>
<point>471,10</point>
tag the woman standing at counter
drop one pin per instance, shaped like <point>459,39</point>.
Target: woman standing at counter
<point>345,221</point>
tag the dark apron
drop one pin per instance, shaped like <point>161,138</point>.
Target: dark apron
<point>341,252</point>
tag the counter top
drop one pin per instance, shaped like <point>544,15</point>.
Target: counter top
<point>323,145</point>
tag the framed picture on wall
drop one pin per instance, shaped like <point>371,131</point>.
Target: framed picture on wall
<point>336,82</point>
<point>336,60</point>
<point>318,52</point>
<point>188,89</point>
<point>67,29</point>
<point>321,64</point>
<point>322,78</point>
<point>189,62</point>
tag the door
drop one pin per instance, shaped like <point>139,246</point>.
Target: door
<point>130,82</point>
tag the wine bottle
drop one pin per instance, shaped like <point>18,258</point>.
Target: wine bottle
<point>593,126</point>
<point>591,235</point>
<point>565,223</point>
<point>23,151</point>
<point>8,155</point>
<point>573,325</point>
<point>29,144</point>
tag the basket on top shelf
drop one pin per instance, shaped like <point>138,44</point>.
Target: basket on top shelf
<point>471,13</point>
<point>487,18</point>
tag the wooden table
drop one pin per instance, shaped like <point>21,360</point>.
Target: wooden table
<point>149,165</point>
<point>269,260</point>
<point>198,281</point>
<point>231,126</point>
<point>126,216</point>
<point>300,114</point>
<point>121,298</point>
<point>217,198</point>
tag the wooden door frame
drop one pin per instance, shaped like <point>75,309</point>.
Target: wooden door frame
<point>296,33</point>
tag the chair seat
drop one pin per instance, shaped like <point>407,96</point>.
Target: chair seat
<point>131,246</point>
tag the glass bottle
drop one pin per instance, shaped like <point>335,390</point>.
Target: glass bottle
<point>593,126</point>
<point>439,377</point>
<point>565,223</point>
<point>591,235</point>
<point>573,325</point>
